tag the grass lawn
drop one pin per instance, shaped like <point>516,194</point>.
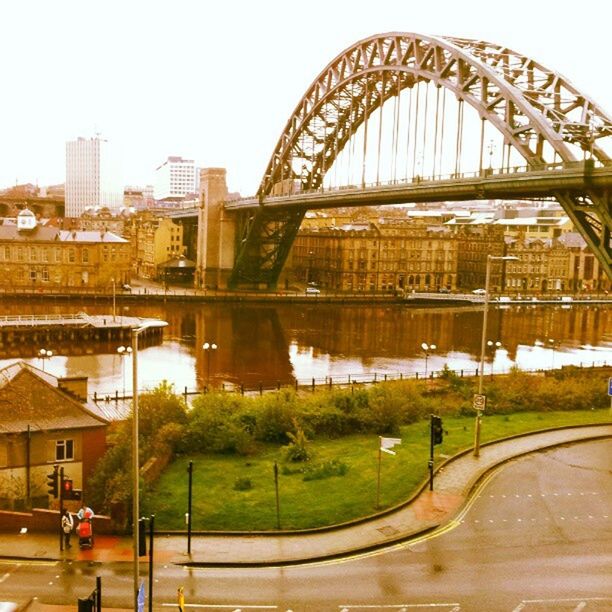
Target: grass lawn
<point>218,506</point>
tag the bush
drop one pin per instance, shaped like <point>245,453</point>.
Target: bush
<point>274,419</point>
<point>215,426</point>
<point>325,470</point>
<point>243,484</point>
<point>297,450</point>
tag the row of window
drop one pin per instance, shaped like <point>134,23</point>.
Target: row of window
<point>81,255</point>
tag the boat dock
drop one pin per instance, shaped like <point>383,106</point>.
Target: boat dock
<point>21,335</point>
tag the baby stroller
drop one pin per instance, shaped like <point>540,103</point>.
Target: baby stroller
<point>85,531</point>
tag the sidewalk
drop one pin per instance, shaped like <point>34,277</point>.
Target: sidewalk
<point>454,482</point>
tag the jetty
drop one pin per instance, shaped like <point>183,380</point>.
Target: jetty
<point>22,335</point>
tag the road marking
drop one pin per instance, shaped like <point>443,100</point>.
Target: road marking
<point>346,607</point>
<point>234,607</point>
<point>4,577</point>
<point>580,606</point>
<point>582,601</point>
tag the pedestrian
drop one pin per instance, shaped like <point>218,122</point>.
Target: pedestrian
<point>67,527</point>
<point>85,512</point>
<point>181,599</point>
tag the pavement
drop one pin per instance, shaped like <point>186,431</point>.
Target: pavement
<point>455,483</point>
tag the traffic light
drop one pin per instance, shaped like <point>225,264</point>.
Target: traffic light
<point>52,481</point>
<point>142,537</point>
<point>437,432</point>
<point>67,488</point>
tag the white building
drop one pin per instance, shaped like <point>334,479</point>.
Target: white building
<point>92,176</point>
<point>175,178</point>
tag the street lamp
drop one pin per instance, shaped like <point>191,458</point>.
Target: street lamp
<point>491,149</point>
<point>483,342</point>
<point>427,348</point>
<point>114,300</point>
<point>44,354</point>
<point>136,331</point>
<point>493,346</point>
<point>124,351</point>
<point>208,347</point>
<point>552,343</point>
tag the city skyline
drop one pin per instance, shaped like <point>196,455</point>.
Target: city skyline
<point>160,80</point>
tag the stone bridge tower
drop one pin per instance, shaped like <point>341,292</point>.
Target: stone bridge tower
<point>216,232</point>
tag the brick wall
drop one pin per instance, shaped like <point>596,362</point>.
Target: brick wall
<point>40,520</point>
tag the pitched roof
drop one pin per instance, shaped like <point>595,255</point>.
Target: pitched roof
<point>30,397</point>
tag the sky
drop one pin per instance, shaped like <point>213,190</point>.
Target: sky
<point>217,81</point>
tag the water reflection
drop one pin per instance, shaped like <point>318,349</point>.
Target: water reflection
<point>270,344</point>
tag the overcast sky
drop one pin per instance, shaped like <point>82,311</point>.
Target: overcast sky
<point>217,81</point>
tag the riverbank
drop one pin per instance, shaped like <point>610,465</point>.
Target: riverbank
<point>150,291</point>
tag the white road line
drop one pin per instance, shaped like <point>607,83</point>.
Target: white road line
<point>566,600</point>
<point>347,607</point>
<point>580,606</point>
<point>234,607</point>
<point>4,577</point>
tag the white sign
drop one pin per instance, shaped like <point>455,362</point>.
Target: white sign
<point>387,443</point>
<point>480,401</point>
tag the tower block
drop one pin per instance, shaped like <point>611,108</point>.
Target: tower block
<point>216,232</point>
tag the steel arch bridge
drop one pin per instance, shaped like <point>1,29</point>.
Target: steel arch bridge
<point>540,117</point>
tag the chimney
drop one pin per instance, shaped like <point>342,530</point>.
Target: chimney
<point>75,386</point>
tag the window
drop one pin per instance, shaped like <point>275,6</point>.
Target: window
<point>71,255</point>
<point>85,256</point>
<point>64,450</point>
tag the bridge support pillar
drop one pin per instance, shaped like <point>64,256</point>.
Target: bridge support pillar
<point>216,232</point>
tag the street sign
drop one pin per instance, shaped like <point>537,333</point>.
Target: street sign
<point>610,386</point>
<point>480,401</point>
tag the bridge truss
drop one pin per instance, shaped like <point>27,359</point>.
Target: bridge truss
<point>520,109</point>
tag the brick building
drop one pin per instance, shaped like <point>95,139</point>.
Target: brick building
<point>45,421</point>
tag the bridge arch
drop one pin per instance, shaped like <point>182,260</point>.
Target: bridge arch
<point>529,104</point>
<point>540,116</point>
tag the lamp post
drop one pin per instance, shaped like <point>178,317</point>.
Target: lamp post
<point>493,346</point>
<point>124,351</point>
<point>552,343</point>
<point>114,301</point>
<point>135,467</point>
<point>427,348</point>
<point>208,347</point>
<point>483,342</point>
<point>44,354</point>
<point>491,149</point>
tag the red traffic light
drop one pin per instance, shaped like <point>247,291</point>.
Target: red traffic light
<point>67,486</point>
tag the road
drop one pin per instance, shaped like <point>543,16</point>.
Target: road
<point>537,536</point>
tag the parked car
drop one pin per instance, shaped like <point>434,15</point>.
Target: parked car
<point>479,292</point>
<point>443,290</point>
<point>126,287</point>
<point>312,291</point>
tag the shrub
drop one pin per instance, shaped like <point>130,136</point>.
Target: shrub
<point>274,419</point>
<point>328,469</point>
<point>297,449</point>
<point>243,484</point>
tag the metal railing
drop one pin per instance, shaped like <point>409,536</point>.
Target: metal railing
<point>341,381</point>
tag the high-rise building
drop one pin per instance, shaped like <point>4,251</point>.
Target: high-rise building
<point>175,178</point>
<point>92,176</point>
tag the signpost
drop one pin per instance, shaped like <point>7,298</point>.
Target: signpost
<point>480,401</point>
<point>610,391</point>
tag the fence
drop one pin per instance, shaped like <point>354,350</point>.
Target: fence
<point>340,381</point>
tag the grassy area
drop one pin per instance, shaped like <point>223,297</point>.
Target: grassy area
<point>218,506</point>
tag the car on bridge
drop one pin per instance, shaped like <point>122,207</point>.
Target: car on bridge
<point>312,291</point>
<point>479,291</point>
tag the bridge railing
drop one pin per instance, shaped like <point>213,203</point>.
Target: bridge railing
<point>485,173</point>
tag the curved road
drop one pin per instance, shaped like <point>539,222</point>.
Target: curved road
<point>536,536</point>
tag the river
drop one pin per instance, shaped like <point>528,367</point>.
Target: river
<point>281,343</point>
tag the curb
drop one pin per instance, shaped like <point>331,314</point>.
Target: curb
<point>393,541</point>
<point>406,537</point>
